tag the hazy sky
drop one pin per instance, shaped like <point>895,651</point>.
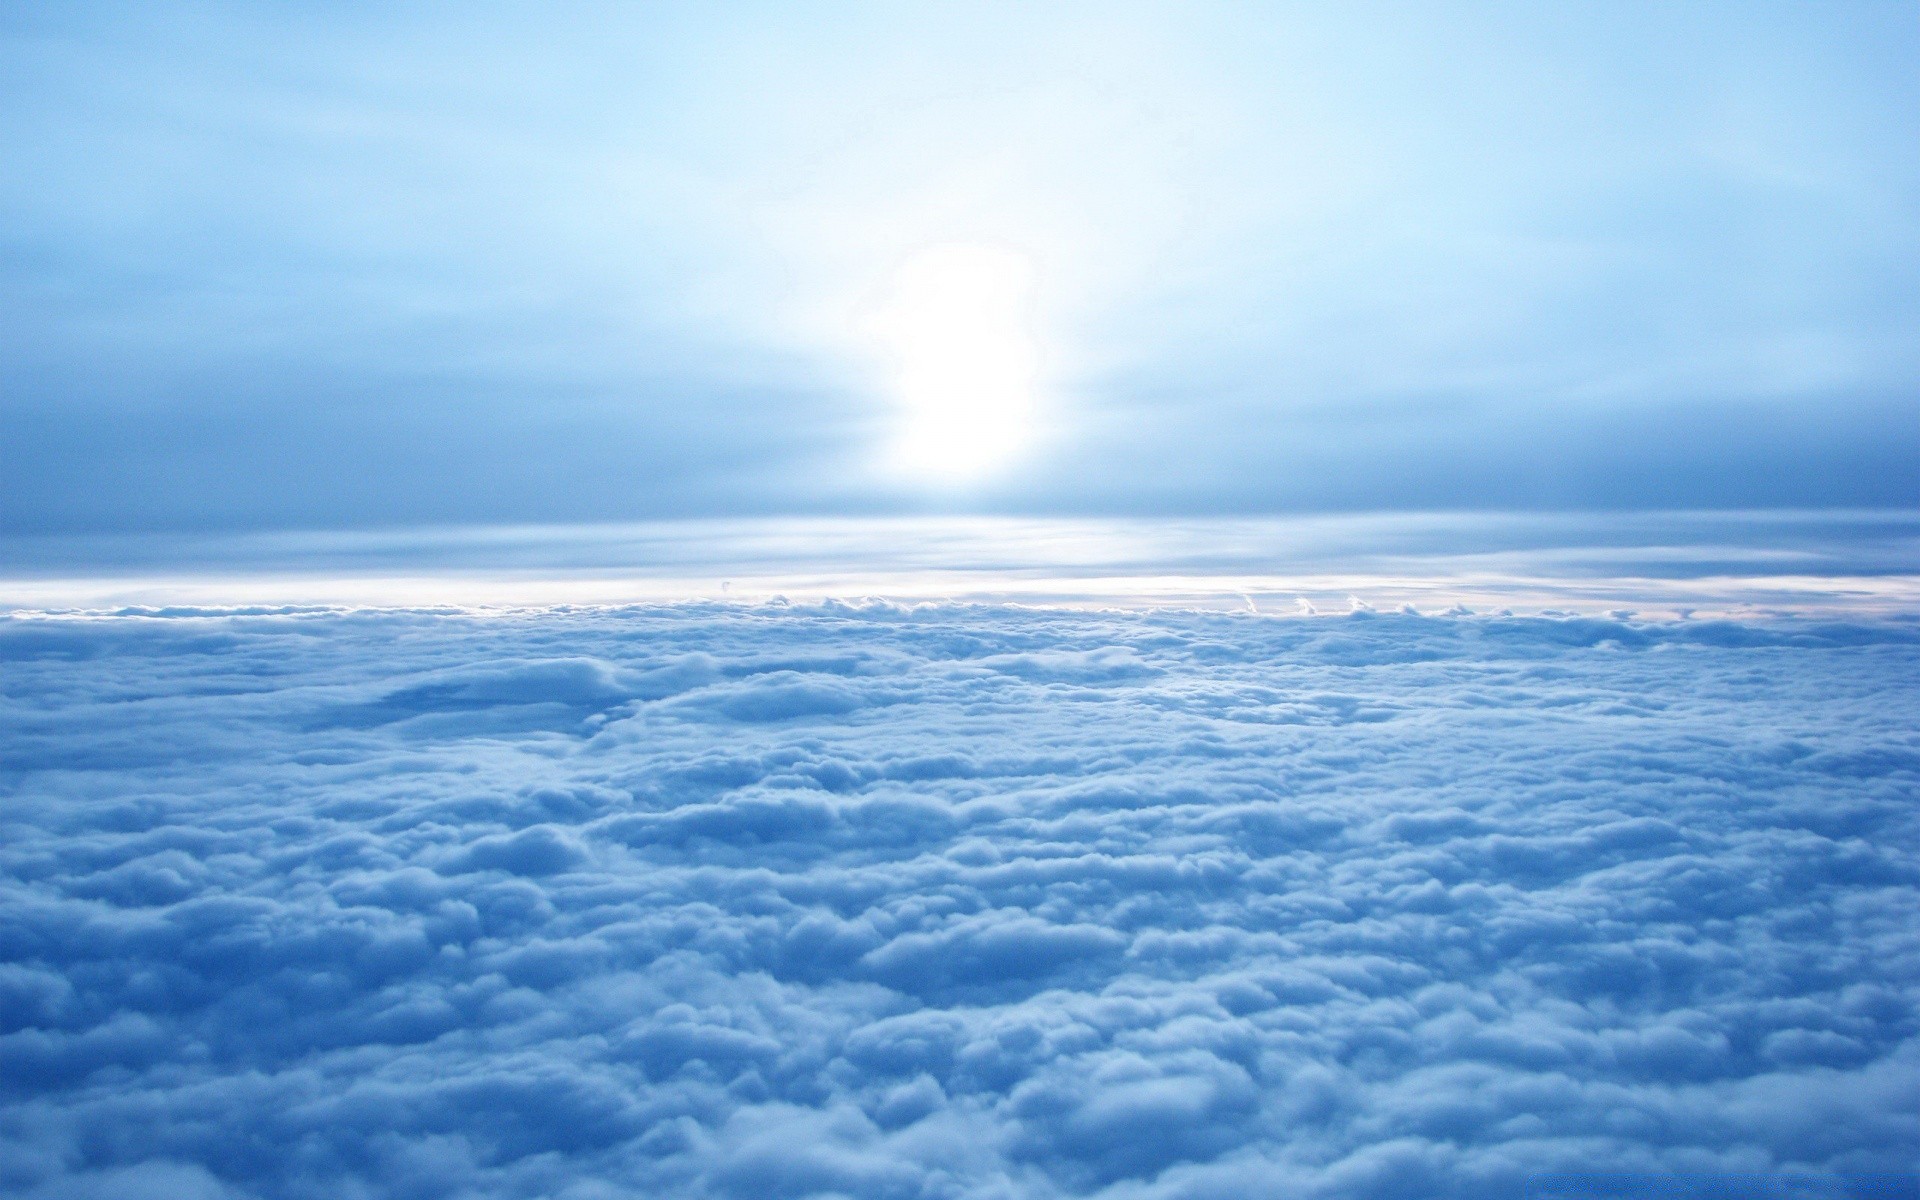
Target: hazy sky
<point>319,266</point>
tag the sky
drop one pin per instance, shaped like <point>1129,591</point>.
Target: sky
<point>358,267</point>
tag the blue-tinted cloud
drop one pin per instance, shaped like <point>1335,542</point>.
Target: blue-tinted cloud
<point>952,902</point>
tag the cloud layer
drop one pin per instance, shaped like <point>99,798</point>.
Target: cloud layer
<point>729,901</point>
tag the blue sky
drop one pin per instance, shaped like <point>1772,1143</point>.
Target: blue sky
<point>346,267</point>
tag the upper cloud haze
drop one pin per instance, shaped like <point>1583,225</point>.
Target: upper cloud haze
<point>349,268</point>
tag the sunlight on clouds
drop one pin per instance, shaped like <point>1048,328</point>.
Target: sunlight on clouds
<point>958,326</point>
<point>1735,564</point>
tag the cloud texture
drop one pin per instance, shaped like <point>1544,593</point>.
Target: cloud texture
<point>727,901</point>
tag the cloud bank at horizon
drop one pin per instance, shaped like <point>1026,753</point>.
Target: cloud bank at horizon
<point>952,902</point>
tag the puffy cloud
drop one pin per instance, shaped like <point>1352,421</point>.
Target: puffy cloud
<point>950,901</point>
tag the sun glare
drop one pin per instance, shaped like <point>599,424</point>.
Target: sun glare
<point>959,327</point>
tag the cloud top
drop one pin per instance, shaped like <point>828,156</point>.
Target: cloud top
<point>954,901</point>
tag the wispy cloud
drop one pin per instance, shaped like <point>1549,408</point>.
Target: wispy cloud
<point>1672,563</point>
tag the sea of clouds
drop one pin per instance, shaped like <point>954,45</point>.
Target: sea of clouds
<point>955,901</point>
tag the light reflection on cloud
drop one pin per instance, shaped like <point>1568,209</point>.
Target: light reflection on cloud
<point>1656,562</point>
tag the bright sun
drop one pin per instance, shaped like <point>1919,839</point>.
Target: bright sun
<point>958,325</point>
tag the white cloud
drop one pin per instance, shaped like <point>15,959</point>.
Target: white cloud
<point>951,902</point>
